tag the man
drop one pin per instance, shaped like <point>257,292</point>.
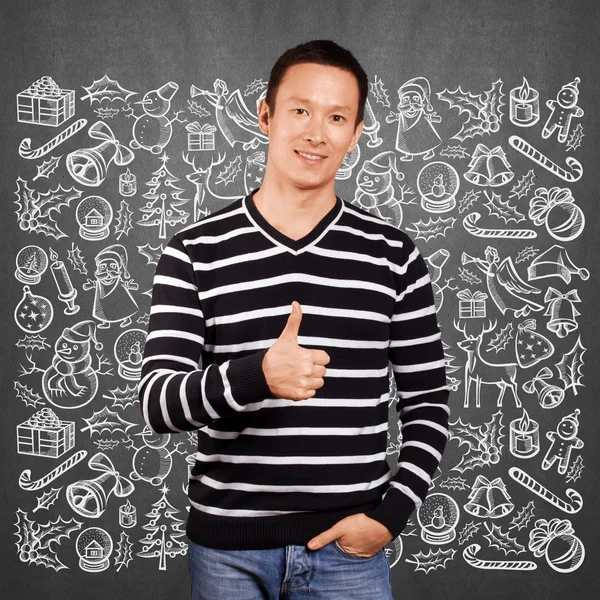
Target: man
<point>291,492</point>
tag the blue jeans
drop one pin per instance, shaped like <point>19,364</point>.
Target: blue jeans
<point>287,573</point>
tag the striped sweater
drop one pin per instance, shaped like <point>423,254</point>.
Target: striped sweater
<point>270,471</point>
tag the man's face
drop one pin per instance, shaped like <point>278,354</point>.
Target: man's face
<point>315,111</point>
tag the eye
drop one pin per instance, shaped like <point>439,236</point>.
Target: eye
<point>340,116</point>
<point>300,109</point>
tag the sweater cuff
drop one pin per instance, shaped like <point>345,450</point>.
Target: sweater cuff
<point>393,511</point>
<point>247,378</point>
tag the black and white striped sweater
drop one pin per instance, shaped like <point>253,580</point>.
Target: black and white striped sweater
<point>269,471</point>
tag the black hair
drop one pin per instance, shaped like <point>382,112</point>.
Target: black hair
<point>322,52</point>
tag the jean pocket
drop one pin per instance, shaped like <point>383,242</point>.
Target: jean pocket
<point>343,552</point>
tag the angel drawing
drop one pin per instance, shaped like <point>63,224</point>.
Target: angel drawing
<point>236,122</point>
<point>504,283</point>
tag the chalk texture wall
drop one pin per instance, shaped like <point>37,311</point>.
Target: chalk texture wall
<point>124,122</point>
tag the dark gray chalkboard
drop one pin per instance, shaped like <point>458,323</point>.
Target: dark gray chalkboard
<point>482,48</point>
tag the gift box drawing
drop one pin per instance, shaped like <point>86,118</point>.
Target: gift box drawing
<point>44,434</point>
<point>471,305</point>
<point>200,137</point>
<point>44,103</point>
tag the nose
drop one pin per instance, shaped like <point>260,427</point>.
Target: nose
<point>313,132</point>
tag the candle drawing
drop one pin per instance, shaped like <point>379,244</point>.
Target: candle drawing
<point>127,183</point>
<point>524,437</point>
<point>66,292</point>
<point>524,106</point>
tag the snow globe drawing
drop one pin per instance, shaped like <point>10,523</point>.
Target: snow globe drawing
<point>128,351</point>
<point>438,517</point>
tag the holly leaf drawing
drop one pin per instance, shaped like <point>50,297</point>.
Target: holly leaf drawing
<point>466,102</point>
<point>498,539</point>
<point>454,152</point>
<point>523,185</point>
<point>106,420</point>
<point>525,254</point>
<point>47,167</point>
<point>33,342</point>
<point>106,89</point>
<point>468,276</point>
<point>523,516</point>
<point>151,254</point>
<point>575,470</point>
<point>569,367</point>
<point>27,395</point>
<point>123,225</point>
<point>123,557</point>
<point>47,499</point>
<point>574,140</point>
<point>230,172</point>
<point>467,200</point>
<point>197,109</point>
<point>35,539</point>
<point>106,113</point>
<point>35,208</point>
<point>493,100</point>
<point>434,559</point>
<point>122,398</point>
<point>501,339</point>
<point>484,442</point>
<point>379,92</point>
<point>258,85</point>
<point>467,532</point>
<point>501,209</point>
<point>432,228</point>
<point>76,259</point>
<point>454,483</point>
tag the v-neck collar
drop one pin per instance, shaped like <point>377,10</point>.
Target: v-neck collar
<point>295,246</point>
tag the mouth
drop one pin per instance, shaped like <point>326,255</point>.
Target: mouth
<point>309,157</point>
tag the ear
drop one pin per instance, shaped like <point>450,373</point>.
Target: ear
<point>263,116</point>
<point>356,136</point>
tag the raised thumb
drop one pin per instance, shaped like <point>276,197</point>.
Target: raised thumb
<point>293,323</point>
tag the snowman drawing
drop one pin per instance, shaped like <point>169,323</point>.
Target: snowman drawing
<point>152,462</point>
<point>152,131</point>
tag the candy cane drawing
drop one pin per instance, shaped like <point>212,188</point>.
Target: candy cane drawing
<point>26,483</point>
<point>537,488</point>
<point>469,223</point>
<point>25,150</point>
<point>506,565</point>
<point>528,150</point>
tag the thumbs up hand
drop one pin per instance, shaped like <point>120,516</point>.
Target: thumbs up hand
<point>293,372</point>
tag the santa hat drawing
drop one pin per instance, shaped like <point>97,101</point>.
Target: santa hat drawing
<point>555,262</point>
<point>116,252</point>
<point>421,86</point>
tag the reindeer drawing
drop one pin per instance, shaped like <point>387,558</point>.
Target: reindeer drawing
<point>479,370</point>
<point>201,178</point>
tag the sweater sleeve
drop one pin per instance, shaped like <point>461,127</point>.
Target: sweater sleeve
<point>175,394</point>
<point>417,357</point>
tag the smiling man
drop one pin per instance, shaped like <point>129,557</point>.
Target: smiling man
<point>291,493</point>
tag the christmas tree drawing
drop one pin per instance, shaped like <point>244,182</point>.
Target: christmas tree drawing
<point>163,201</point>
<point>163,532</point>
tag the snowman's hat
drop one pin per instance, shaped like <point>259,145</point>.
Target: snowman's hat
<point>82,332</point>
<point>382,164</point>
<point>167,91</point>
